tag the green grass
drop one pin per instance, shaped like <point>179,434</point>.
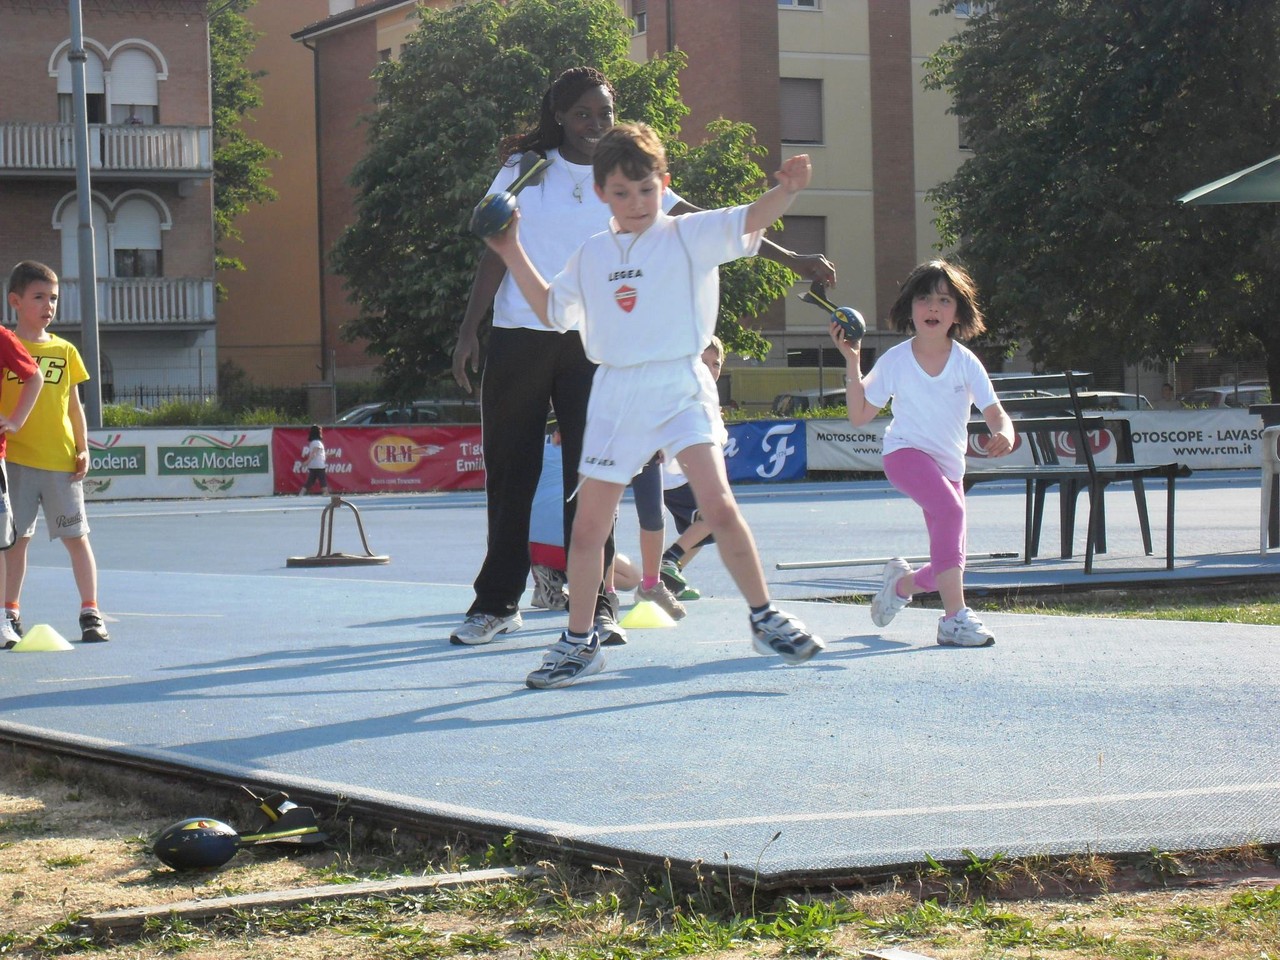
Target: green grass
<point>1254,604</point>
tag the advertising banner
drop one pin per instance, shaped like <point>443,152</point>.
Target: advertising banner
<point>1201,439</point>
<point>760,450</point>
<point>176,463</point>
<point>386,459</point>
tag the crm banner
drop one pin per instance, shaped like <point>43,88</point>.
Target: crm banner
<point>147,464</point>
<point>765,450</point>
<point>387,459</point>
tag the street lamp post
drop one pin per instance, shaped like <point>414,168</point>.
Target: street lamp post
<point>84,232</point>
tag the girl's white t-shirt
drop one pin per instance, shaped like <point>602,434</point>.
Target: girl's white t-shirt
<point>313,455</point>
<point>930,414</point>
<point>556,217</point>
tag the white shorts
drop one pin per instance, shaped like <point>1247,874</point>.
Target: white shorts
<point>61,497</point>
<point>634,412</point>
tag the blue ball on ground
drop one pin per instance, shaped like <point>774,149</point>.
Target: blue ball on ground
<point>198,843</point>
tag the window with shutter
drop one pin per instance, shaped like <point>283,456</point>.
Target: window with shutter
<point>801,109</point>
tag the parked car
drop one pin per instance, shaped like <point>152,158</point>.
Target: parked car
<point>1090,399</point>
<point>410,412</point>
<point>798,401</point>
<point>1112,400</point>
<point>1240,395</point>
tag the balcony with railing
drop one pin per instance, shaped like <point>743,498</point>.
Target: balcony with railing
<point>154,303</point>
<point>123,151</point>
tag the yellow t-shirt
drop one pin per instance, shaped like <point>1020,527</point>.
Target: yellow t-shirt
<point>46,440</point>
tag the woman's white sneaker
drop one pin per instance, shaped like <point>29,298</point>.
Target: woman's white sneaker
<point>886,603</point>
<point>964,630</point>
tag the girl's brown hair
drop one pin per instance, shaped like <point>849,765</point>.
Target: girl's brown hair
<point>932,277</point>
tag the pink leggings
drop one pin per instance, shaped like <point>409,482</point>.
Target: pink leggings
<point>916,474</point>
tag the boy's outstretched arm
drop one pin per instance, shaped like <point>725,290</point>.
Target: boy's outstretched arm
<point>793,176</point>
<point>535,289</point>
<point>31,388</point>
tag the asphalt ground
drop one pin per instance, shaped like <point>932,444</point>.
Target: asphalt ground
<point>339,684</point>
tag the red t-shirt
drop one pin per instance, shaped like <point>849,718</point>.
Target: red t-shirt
<point>16,363</point>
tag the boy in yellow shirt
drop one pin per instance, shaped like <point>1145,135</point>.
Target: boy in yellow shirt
<point>49,456</point>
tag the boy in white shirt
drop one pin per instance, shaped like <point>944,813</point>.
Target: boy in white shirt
<point>645,295</point>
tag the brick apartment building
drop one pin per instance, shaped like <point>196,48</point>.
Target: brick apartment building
<point>151,169</point>
<point>838,79</point>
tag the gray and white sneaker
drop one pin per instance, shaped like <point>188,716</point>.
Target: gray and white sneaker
<point>8,636</point>
<point>611,634</point>
<point>548,588</point>
<point>93,629</point>
<point>886,603</point>
<point>566,662</point>
<point>663,597</point>
<point>786,636</point>
<point>964,630</point>
<point>481,628</point>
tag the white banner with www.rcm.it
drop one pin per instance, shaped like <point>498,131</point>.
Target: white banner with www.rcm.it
<point>1200,439</point>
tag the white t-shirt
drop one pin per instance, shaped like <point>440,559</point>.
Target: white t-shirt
<point>313,455</point>
<point>654,295</point>
<point>554,222</point>
<point>930,414</point>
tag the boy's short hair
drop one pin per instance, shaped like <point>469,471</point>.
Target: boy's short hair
<point>717,345</point>
<point>632,148</point>
<point>931,277</point>
<point>28,272</point>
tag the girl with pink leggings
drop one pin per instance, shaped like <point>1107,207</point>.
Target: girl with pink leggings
<point>932,381</point>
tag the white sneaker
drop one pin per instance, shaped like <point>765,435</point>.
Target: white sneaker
<point>482,627</point>
<point>548,588</point>
<point>662,596</point>
<point>8,636</point>
<point>964,630</point>
<point>784,635</point>
<point>886,603</point>
<point>566,662</point>
<point>607,627</point>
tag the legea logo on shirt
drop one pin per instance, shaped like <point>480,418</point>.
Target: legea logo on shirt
<point>625,297</point>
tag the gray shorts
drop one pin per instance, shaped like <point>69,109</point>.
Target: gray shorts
<point>61,497</point>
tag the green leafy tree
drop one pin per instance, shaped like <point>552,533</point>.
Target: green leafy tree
<point>1086,120</point>
<point>240,170</point>
<point>469,76</point>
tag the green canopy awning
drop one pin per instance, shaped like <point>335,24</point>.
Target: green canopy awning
<point>1258,184</point>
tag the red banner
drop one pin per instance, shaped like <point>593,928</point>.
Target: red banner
<point>390,459</point>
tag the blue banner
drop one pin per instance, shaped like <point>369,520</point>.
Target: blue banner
<point>761,450</point>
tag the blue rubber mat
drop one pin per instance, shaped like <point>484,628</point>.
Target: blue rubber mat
<point>1070,734</point>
